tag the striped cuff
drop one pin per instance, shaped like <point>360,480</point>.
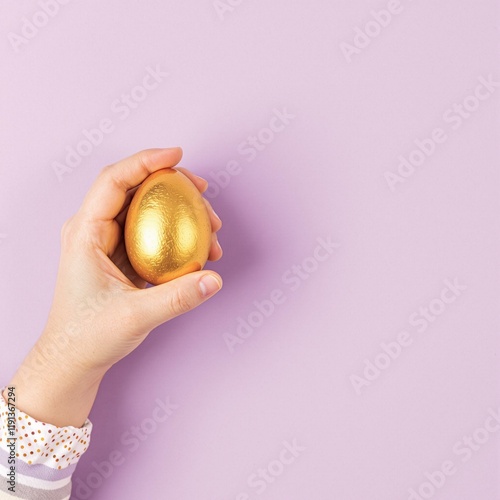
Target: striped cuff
<point>37,459</point>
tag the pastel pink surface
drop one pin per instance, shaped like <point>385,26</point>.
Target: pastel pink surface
<point>320,174</point>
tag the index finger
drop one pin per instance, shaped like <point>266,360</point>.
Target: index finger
<point>106,197</point>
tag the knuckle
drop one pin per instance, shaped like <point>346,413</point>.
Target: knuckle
<point>179,302</point>
<point>75,233</point>
<point>67,231</point>
<point>144,161</point>
<point>110,174</point>
<point>105,170</point>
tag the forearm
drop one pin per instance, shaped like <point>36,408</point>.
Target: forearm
<point>55,390</point>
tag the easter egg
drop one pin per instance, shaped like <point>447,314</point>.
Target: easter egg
<point>167,229</point>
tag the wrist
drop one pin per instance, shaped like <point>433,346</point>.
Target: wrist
<point>54,390</point>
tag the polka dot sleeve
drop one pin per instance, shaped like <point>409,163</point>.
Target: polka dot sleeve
<point>41,443</point>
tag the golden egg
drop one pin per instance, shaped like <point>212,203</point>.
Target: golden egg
<point>167,230</point>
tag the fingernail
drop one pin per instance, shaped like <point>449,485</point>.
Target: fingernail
<point>215,213</point>
<point>205,187</point>
<point>160,153</point>
<point>201,178</point>
<point>209,285</point>
<point>167,150</point>
<point>220,248</point>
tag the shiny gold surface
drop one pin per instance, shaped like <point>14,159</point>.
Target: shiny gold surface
<point>167,231</point>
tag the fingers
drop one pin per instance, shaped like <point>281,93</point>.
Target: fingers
<point>215,249</point>
<point>121,261</point>
<point>121,217</point>
<point>202,185</point>
<point>108,195</point>
<point>199,182</point>
<point>164,302</point>
<point>214,218</point>
<point>216,223</point>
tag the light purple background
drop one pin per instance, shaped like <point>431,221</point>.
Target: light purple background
<point>323,176</point>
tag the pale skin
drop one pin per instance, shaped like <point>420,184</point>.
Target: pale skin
<point>58,381</point>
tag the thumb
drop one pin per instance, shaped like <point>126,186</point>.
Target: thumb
<point>163,302</point>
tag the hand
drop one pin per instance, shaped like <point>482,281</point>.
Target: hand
<point>101,309</point>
